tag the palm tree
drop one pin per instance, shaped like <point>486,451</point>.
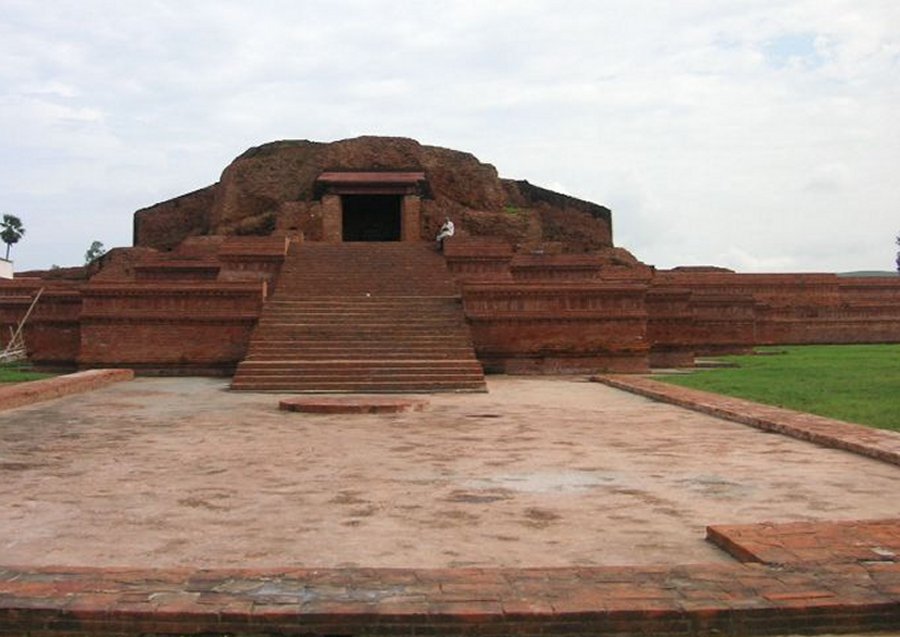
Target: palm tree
<point>898,254</point>
<point>11,230</point>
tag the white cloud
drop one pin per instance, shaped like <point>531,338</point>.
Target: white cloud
<point>757,133</point>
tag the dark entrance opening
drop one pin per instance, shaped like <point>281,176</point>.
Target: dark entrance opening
<point>370,217</point>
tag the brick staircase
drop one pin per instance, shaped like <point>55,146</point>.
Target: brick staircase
<point>362,317</point>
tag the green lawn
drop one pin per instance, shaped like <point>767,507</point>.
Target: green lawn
<point>857,383</point>
<point>14,373</point>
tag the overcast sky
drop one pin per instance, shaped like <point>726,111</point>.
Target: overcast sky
<point>761,135</point>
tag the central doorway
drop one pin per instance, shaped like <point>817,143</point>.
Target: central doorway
<point>371,217</point>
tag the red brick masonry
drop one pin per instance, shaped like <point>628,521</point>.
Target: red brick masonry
<point>816,543</point>
<point>668,600</point>
<point>39,390</point>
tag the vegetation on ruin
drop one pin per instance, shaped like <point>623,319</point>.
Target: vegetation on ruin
<point>855,383</point>
<point>94,252</point>
<point>18,373</point>
<point>897,260</point>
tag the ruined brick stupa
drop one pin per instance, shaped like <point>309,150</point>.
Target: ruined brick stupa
<point>312,267</point>
<point>373,188</point>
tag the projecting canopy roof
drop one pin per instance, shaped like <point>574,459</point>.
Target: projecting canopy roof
<point>370,182</point>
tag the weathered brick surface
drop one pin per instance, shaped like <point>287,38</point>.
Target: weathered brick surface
<point>52,331</point>
<point>681,600</point>
<point>731,312</point>
<point>165,225</point>
<point>20,394</point>
<point>195,326</point>
<point>850,541</point>
<point>481,259</point>
<point>260,256</point>
<point>529,327</point>
<point>177,271</point>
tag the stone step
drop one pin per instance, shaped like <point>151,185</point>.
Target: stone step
<point>325,377</point>
<point>362,302</point>
<point>375,332</point>
<point>360,365</point>
<point>416,386</point>
<point>365,307</point>
<point>435,327</point>
<point>369,317</point>
<point>349,350</point>
<point>351,346</point>
<point>408,317</point>
<point>361,290</point>
<point>326,334</point>
<point>308,358</point>
<point>384,335</point>
<point>384,317</point>
<point>351,356</point>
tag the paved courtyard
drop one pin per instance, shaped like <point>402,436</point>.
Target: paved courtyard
<point>538,472</point>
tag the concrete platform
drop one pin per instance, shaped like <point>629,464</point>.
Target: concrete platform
<point>173,505</point>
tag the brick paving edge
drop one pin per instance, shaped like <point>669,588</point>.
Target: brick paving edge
<point>866,441</point>
<point>700,599</point>
<point>35,391</point>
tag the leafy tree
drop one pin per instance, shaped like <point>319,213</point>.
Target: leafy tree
<point>11,230</point>
<point>94,252</point>
<point>897,261</point>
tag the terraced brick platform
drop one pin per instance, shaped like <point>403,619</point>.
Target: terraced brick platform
<point>547,506</point>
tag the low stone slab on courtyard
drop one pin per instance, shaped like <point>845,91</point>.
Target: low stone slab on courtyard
<point>351,405</point>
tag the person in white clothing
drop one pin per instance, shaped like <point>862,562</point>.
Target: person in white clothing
<point>445,232</point>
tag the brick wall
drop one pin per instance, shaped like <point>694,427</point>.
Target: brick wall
<point>732,312</point>
<point>248,258</point>
<point>528,313</point>
<point>52,331</point>
<point>541,328</point>
<point>546,313</point>
<point>670,320</point>
<point>174,327</point>
<point>478,259</point>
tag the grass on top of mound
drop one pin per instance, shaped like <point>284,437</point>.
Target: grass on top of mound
<point>18,373</point>
<point>856,383</point>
